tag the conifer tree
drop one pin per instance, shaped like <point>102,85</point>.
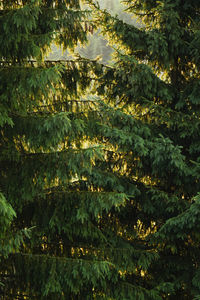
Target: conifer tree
<point>99,199</point>
<point>56,193</point>
<point>151,95</point>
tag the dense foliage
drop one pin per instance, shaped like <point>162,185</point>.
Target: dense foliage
<point>54,185</point>
<point>99,197</point>
<point>155,138</point>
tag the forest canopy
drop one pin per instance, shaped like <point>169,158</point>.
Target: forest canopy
<point>99,159</point>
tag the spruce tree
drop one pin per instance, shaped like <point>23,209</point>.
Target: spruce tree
<point>151,95</point>
<point>99,199</point>
<point>56,193</point>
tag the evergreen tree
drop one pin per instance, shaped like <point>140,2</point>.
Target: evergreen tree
<point>151,96</point>
<point>99,199</point>
<point>56,193</point>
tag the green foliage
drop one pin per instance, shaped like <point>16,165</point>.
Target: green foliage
<point>7,213</point>
<point>151,93</point>
<point>62,231</point>
<point>99,197</point>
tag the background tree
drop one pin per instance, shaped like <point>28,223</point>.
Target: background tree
<point>53,181</point>
<point>97,44</point>
<point>153,86</point>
